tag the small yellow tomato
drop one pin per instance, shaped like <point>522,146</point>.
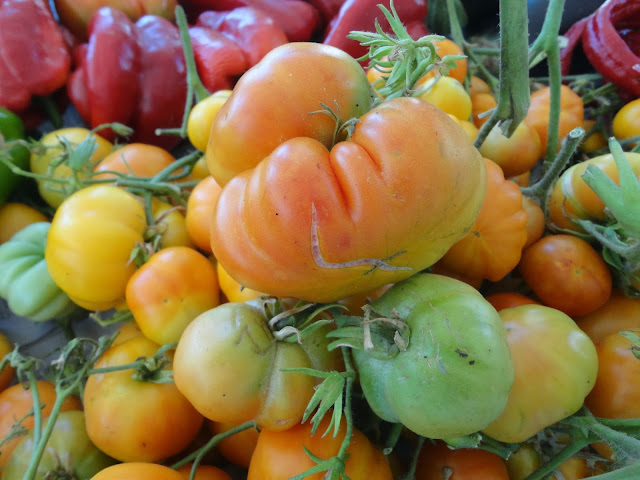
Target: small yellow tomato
<point>626,123</point>
<point>516,154</point>
<point>448,95</point>
<point>232,290</point>
<point>469,128</point>
<point>201,117</point>
<point>170,224</point>
<point>595,140</point>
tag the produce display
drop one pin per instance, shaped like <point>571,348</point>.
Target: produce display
<point>321,239</point>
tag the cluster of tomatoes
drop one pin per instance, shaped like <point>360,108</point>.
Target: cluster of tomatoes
<point>336,282</point>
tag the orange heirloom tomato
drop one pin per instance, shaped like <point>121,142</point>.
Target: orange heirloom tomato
<point>137,159</point>
<point>619,313</point>
<point>493,246</point>
<point>516,154</point>
<point>617,390</point>
<point>437,461</point>
<point>237,448</point>
<point>280,455</point>
<point>15,216</point>
<point>571,113</point>
<point>503,300</point>
<point>481,103</point>
<point>134,420</point>
<point>138,471</point>
<point>16,402</point>
<point>201,118</point>
<point>232,290</point>
<point>54,193</point>
<point>334,222</point>
<point>204,472</point>
<point>542,340</point>
<point>536,222</point>
<point>171,289</point>
<point>200,207</point>
<point>447,94</point>
<point>567,273</point>
<point>229,365</point>
<point>572,199</point>
<point>7,373</point>
<point>89,245</point>
<point>478,86</point>
<point>626,122</point>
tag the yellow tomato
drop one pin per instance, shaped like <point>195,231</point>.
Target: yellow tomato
<point>201,117</point>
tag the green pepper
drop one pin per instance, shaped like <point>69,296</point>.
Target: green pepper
<point>25,282</point>
<point>11,128</point>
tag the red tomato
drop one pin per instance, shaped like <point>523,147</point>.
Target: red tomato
<point>171,289</point>
<point>566,273</point>
<point>438,461</point>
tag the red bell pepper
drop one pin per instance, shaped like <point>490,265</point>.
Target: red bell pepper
<point>328,8</point>
<point>130,73</point>
<point>34,58</point>
<point>613,53</point>
<point>299,19</point>
<point>361,15</point>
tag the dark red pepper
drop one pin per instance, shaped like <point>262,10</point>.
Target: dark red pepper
<point>34,58</point>
<point>299,19</point>
<point>361,15</point>
<point>610,47</point>
<point>328,8</point>
<point>130,73</point>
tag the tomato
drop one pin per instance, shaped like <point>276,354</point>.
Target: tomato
<point>566,273</point>
<point>232,290</point>
<point>456,369</point>
<point>280,455</point>
<point>171,289</point>
<point>204,472</point>
<point>137,420</point>
<point>619,313</point>
<point>200,207</point>
<point>493,246</point>
<point>481,103</point>
<point>137,159</point>
<point>23,267</point>
<point>616,393</point>
<point>572,199</point>
<point>478,86</point>
<point>15,216</point>
<point>503,300</point>
<point>437,461</point>
<point>68,451</point>
<point>171,224</point>
<point>16,402</point>
<point>594,140</point>
<point>237,448</point>
<point>536,221</point>
<point>53,143</point>
<point>201,118</point>
<point>542,340</point>
<point>516,154</point>
<point>573,468</point>
<point>6,373</point>
<point>626,122</point>
<point>200,169</point>
<point>469,128</point>
<point>571,113</point>
<point>447,94</point>
<point>95,277</point>
<point>523,462</point>
<point>138,471</point>
<point>229,365</point>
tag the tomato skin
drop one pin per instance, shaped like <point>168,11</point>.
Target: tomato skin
<point>536,221</point>
<point>616,393</point>
<point>40,162</point>
<point>171,289</point>
<point>16,402</point>
<point>542,340</point>
<point>127,418</point>
<point>323,238</point>
<point>139,159</point>
<point>138,471</point>
<point>447,94</point>
<point>93,276</point>
<point>619,313</point>
<point>516,154</point>
<point>566,273</point>
<point>244,131</point>
<point>627,120</point>
<point>232,290</point>
<point>456,369</point>
<point>68,440</point>
<point>437,460</point>
<point>171,224</point>
<point>493,246</point>
<point>503,300</point>
<point>201,118</point>
<point>480,103</point>
<point>237,448</point>
<point>200,207</point>
<point>7,372</point>
<point>572,199</point>
<point>204,472</point>
<point>15,216</point>
<point>280,455</point>
<point>233,341</point>
<point>595,140</point>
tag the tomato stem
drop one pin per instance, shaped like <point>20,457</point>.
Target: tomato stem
<point>413,465</point>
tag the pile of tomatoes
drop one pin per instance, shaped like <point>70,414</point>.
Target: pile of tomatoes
<point>340,278</point>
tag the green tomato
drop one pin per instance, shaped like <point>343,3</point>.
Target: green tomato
<point>68,454</point>
<point>454,376</point>
<point>11,128</point>
<point>25,282</point>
